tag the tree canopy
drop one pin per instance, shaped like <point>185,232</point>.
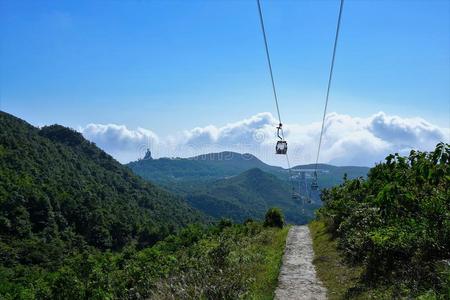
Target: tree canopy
<point>397,222</point>
<point>59,191</point>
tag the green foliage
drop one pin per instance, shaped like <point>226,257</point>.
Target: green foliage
<point>224,223</point>
<point>249,195</point>
<point>60,194</point>
<point>396,224</point>
<point>55,185</point>
<point>76,224</point>
<point>274,218</point>
<point>338,277</point>
<point>237,261</point>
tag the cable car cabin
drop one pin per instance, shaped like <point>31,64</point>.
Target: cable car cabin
<point>281,147</point>
<point>295,196</point>
<point>314,186</point>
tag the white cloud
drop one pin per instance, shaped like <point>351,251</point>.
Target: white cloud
<point>347,141</point>
<point>415,131</point>
<point>119,141</point>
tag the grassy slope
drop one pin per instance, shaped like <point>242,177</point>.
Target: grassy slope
<point>235,262</point>
<point>241,262</point>
<point>337,277</point>
<point>342,280</point>
<point>266,278</point>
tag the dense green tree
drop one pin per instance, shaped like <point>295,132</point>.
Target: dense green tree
<point>396,223</point>
<point>274,218</point>
<point>60,194</point>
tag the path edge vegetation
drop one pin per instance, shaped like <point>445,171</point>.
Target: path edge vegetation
<point>335,274</point>
<point>388,236</point>
<point>221,261</point>
<point>266,276</point>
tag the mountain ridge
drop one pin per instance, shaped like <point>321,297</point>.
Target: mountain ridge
<point>185,175</point>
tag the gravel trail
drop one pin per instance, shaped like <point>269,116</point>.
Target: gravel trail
<point>297,279</point>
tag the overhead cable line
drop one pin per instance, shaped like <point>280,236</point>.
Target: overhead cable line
<point>330,77</point>
<point>268,60</point>
<point>274,90</point>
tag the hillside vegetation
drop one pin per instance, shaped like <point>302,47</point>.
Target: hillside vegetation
<point>240,186</point>
<point>56,186</point>
<point>392,231</point>
<point>76,224</point>
<point>249,195</point>
<point>218,262</point>
<point>60,194</point>
<point>202,167</point>
<point>188,175</point>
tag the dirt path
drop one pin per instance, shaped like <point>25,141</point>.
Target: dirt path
<point>297,279</point>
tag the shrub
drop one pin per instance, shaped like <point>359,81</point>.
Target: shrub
<point>396,223</point>
<point>248,221</point>
<point>224,223</point>
<point>274,218</point>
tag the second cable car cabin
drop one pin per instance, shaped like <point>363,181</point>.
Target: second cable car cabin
<point>314,184</point>
<point>281,146</point>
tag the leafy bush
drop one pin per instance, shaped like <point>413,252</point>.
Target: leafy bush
<point>397,222</point>
<point>197,263</point>
<point>274,218</point>
<point>224,223</point>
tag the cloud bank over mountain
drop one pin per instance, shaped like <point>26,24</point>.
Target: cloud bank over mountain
<point>122,143</point>
<point>347,140</point>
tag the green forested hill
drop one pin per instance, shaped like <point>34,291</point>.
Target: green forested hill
<point>249,195</point>
<point>221,165</point>
<point>59,192</point>
<point>188,174</point>
<point>76,224</point>
<point>224,184</point>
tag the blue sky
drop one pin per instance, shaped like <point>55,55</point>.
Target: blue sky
<point>170,66</point>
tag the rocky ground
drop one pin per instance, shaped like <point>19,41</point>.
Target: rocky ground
<point>297,279</point>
